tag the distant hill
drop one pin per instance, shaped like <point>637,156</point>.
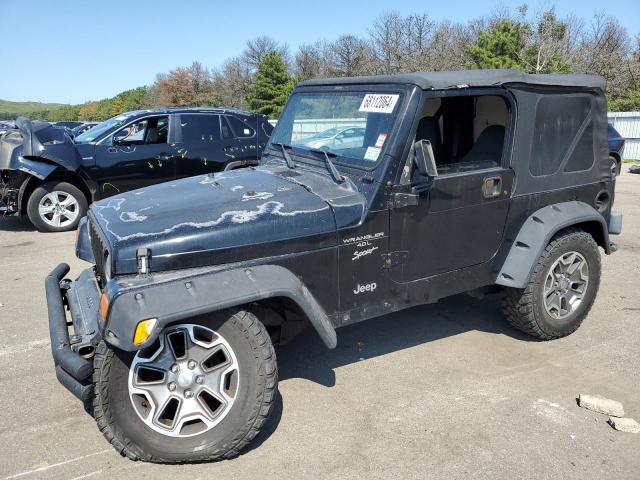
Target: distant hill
<point>13,109</point>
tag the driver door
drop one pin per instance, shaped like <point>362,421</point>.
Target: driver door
<point>135,156</point>
<point>460,215</point>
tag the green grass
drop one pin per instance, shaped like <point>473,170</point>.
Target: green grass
<point>20,108</point>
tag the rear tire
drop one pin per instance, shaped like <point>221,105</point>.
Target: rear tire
<point>256,388</point>
<point>615,167</point>
<point>541,309</point>
<point>56,207</point>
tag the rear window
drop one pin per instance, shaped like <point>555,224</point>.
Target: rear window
<point>240,128</point>
<point>563,128</point>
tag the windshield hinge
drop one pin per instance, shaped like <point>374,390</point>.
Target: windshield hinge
<point>144,260</point>
<point>393,259</point>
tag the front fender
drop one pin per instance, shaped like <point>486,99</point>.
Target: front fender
<point>536,233</point>
<point>171,297</point>
<point>38,169</point>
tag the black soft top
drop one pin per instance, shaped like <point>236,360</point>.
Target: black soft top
<point>471,78</point>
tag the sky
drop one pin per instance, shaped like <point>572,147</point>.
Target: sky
<point>71,51</point>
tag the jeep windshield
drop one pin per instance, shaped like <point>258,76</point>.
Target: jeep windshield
<point>100,129</point>
<point>354,126</point>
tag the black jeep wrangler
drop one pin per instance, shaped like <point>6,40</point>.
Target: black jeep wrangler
<point>472,182</point>
<point>52,178</point>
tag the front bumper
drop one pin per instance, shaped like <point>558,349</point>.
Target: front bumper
<point>72,354</point>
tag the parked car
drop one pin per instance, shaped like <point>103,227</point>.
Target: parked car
<point>6,127</point>
<point>452,190</point>
<point>616,147</point>
<point>80,129</point>
<point>51,179</point>
<point>336,138</point>
<point>67,125</point>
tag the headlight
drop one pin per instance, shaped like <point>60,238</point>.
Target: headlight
<point>107,267</point>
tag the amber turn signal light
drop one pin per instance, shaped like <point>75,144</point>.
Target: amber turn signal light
<point>104,305</point>
<point>143,330</point>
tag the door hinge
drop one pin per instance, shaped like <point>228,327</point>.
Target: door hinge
<point>401,199</point>
<point>393,259</point>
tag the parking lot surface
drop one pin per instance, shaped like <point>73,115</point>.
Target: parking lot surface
<point>441,391</point>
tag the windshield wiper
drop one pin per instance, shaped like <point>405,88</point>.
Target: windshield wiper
<point>287,157</point>
<point>335,174</point>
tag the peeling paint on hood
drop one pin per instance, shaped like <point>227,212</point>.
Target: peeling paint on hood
<point>206,220</point>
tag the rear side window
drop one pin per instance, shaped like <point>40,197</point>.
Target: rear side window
<point>562,122</point>
<point>200,129</point>
<point>240,129</point>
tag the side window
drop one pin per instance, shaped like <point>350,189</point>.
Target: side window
<point>200,130</point>
<point>225,127</point>
<point>559,120</point>
<point>466,133</point>
<point>150,131</point>
<point>240,129</point>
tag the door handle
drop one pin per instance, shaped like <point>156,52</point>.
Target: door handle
<point>163,157</point>
<point>492,187</point>
<point>112,150</point>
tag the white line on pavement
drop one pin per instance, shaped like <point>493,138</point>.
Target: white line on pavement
<point>53,465</point>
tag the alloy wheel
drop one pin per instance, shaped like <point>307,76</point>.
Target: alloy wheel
<point>58,209</point>
<point>185,383</point>
<point>565,285</point>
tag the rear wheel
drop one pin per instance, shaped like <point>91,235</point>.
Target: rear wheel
<point>561,289</point>
<point>56,207</point>
<point>201,392</point>
<point>615,167</point>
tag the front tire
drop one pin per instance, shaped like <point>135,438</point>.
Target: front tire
<point>56,207</point>
<point>223,389</point>
<point>561,288</point>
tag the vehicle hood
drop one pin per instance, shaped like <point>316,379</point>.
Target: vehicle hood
<point>226,217</point>
<point>37,141</point>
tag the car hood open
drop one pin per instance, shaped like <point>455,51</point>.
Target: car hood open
<point>226,217</point>
<point>36,141</point>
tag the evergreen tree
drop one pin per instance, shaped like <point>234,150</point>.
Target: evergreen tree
<point>500,46</point>
<point>271,86</point>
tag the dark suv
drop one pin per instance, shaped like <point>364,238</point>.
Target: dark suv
<point>52,178</point>
<point>451,189</point>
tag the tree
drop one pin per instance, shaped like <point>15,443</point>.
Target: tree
<point>271,87</point>
<point>547,48</point>
<point>500,46</point>
<point>258,48</point>
<point>350,56</point>
<point>191,86</point>
<point>231,83</point>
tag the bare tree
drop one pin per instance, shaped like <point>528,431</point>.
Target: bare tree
<point>350,56</point>
<point>232,82</point>
<point>258,47</point>
<point>312,60</point>
<point>387,40</point>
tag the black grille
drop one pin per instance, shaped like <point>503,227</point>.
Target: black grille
<point>99,250</point>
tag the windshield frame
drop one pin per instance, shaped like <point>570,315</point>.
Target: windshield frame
<point>346,163</point>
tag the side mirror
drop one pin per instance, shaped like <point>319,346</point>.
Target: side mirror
<point>118,138</point>
<point>424,159</point>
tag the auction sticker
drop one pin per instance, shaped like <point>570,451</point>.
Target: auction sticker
<point>379,103</point>
<point>381,139</point>
<point>372,154</point>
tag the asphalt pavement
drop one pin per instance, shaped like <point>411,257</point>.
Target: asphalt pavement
<point>442,391</point>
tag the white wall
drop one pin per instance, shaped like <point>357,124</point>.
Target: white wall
<point>628,125</point>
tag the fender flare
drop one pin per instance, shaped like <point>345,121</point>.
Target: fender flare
<point>536,233</point>
<point>176,299</point>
